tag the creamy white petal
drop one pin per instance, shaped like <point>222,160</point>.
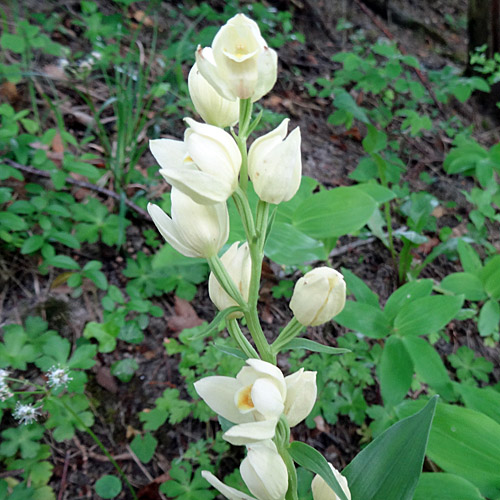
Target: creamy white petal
<point>271,370</point>
<point>201,187</point>
<point>267,398</point>
<point>301,393</point>
<point>209,70</point>
<point>168,230</point>
<point>243,434</point>
<point>168,153</point>
<point>219,392</point>
<point>264,471</point>
<point>229,492</point>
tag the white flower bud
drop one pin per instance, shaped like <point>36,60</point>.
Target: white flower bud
<point>264,471</point>
<point>239,266</point>
<point>194,230</point>
<point>239,64</point>
<point>275,164</point>
<point>321,491</point>
<point>213,108</point>
<point>205,166</point>
<point>301,392</point>
<point>318,296</point>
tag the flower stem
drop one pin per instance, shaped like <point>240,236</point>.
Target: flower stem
<point>241,140</point>
<point>234,330</point>
<point>286,335</point>
<point>101,445</point>
<point>241,201</point>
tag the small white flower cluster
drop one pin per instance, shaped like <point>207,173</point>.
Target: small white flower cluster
<point>58,376</point>
<point>26,413</point>
<point>5,392</point>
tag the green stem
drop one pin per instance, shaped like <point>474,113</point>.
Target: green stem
<point>256,255</point>
<point>241,201</point>
<point>101,445</point>
<point>234,330</point>
<point>286,335</point>
<point>241,140</point>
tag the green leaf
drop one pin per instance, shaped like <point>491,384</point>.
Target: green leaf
<point>442,486</point>
<point>429,366</point>
<point>23,438</point>
<point>108,486</point>
<point>467,283</point>
<point>144,447</point>
<point>344,101</point>
<point>124,369</point>
<point>288,246</point>
<point>364,318</point>
<point>489,318</point>
<point>32,244</point>
<point>466,443</point>
<point>406,294</point>
<point>309,458</point>
<point>14,43</point>
<point>427,315</point>
<point>389,467</point>
<point>359,288</point>
<point>395,371</point>
<point>63,262</point>
<point>379,193</point>
<point>334,213</point>
<point>104,333</point>
<point>12,221</point>
<point>492,283</point>
<point>312,346</point>
<point>468,257</point>
<point>375,140</point>
<point>485,400</point>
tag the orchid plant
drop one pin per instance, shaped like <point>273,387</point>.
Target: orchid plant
<point>258,407</point>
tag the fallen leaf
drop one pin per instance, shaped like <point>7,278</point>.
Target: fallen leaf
<point>321,425</point>
<point>8,90</point>
<point>57,144</point>
<point>185,317</point>
<point>106,380</point>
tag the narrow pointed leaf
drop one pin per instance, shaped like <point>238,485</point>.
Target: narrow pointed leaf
<point>389,467</point>
<point>311,459</point>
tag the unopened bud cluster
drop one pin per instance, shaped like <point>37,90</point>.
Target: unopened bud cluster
<point>205,169</point>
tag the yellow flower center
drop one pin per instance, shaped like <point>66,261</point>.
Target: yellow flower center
<point>244,399</point>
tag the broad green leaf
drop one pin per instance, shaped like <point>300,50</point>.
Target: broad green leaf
<point>309,458</point>
<point>406,294</point>
<point>288,246</point>
<point>389,467</point>
<point>468,257</point>
<point>467,284</point>
<point>312,346</point>
<point>427,315</point>
<point>489,318</point>
<point>485,400</point>
<point>443,486</point>
<point>124,369</point>
<point>12,221</point>
<point>144,447</point>
<point>492,283</point>
<point>108,486</point>
<point>334,213</point>
<point>379,193</point>
<point>375,140</point>
<point>104,333</point>
<point>429,366</point>
<point>32,244</point>
<point>359,288</point>
<point>364,318</point>
<point>395,371</point>
<point>467,443</point>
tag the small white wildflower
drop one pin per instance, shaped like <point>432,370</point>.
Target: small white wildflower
<point>26,413</point>
<point>3,375</point>
<point>5,392</point>
<point>58,376</point>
